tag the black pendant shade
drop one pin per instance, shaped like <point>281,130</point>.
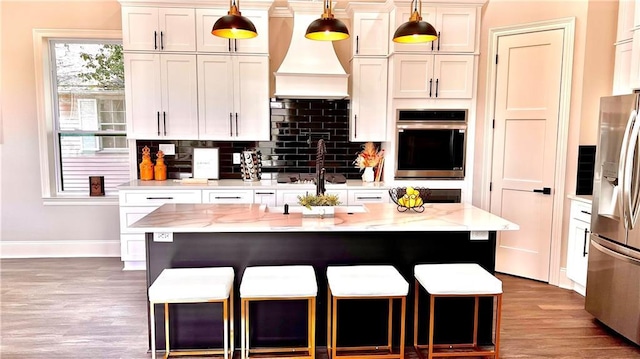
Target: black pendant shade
<point>415,30</point>
<point>327,27</point>
<point>234,25</point>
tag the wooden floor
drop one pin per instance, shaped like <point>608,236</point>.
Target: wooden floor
<point>90,308</point>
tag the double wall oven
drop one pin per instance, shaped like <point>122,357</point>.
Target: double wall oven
<point>430,143</point>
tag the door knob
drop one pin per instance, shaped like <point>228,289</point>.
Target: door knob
<point>544,190</point>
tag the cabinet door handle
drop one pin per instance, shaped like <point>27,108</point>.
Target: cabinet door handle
<point>431,45</point>
<point>585,212</point>
<point>158,113</point>
<point>372,197</point>
<point>236,124</point>
<point>230,122</point>
<point>357,44</point>
<point>437,87</point>
<point>230,45</point>
<point>265,193</point>
<point>430,86</point>
<point>164,122</point>
<point>235,45</point>
<point>155,40</point>
<point>223,197</point>
<point>159,197</point>
<point>161,40</point>
<point>584,246</point>
<point>355,126</point>
<point>438,40</point>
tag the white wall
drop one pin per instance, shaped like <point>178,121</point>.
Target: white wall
<point>28,227</point>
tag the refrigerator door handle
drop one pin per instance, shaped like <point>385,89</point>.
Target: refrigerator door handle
<point>614,254</point>
<point>622,196</point>
<point>630,171</point>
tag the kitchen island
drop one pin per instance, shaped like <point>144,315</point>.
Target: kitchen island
<point>197,235</point>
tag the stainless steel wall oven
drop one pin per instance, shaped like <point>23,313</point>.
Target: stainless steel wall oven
<point>430,143</point>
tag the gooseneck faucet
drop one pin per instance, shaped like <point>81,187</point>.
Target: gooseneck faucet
<point>320,152</point>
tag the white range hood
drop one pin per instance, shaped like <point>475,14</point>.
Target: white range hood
<point>310,69</point>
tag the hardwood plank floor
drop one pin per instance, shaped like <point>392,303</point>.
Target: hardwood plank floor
<point>89,308</point>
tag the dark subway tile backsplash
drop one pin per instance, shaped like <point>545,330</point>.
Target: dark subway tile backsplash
<point>295,131</point>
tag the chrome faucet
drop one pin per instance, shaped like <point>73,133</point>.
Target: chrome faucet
<point>320,182</point>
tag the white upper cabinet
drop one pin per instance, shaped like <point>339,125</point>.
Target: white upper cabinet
<point>456,27</point>
<point>626,14</point>
<point>233,96</point>
<point>433,76</point>
<point>161,96</point>
<point>158,29</point>
<point>368,99</point>
<point>206,42</point>
<point>370,30</point>
<point>622,69</point>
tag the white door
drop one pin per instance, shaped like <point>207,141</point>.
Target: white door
<point>413,76</point>
<point>524,149</point>
<point>369,29</point>
<point>177,29</point>
<point>140,28</point>
<point>457,29</point>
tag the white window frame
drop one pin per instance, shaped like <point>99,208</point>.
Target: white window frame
<point>45,112</point>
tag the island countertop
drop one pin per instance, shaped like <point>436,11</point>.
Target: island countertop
<point>221,218</point>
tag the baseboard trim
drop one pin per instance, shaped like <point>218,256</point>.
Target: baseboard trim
<point>59,249</point>
<point>564,281</point>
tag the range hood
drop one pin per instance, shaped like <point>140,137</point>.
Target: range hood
<point>310,69</point>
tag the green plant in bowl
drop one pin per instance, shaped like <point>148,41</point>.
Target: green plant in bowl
<point>312,200</point>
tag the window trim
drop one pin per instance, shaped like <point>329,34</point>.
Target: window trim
<point>45,108</point>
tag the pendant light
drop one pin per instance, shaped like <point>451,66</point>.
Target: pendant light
<point>415,30</point>
<point>327,27</point>
<point>234,25</point>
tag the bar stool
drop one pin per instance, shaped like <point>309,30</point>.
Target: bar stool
<point>193,285</point>
<point>457,280</point>
<point>278,283</point>
<point>365,282</point>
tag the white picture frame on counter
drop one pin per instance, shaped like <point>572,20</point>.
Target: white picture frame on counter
<point>206,163</point>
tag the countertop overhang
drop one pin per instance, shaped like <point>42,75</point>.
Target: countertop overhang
<point>212,218</point>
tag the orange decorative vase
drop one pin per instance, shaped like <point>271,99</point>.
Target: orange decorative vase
<point>161,168</point>
<point>146,166</point>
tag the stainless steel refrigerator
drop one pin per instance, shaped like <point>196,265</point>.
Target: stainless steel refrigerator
<point>613,275</point>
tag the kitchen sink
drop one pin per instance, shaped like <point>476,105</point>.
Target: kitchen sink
<point>337,209</point>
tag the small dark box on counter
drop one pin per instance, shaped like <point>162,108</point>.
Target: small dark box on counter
<point>96,186</point>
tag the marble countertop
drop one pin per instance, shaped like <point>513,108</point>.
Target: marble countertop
<point>186,218</point>
<point>240,184</point>
<point>582,198</point>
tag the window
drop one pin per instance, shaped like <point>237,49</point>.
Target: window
<point>83,112</point>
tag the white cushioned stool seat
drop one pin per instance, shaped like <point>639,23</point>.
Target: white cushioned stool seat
<point>366,281</point>
<point>278,282</point>
<point>457,279</point>
<point>286,282</point>
<point>193,285</point>
<point>183,285</point>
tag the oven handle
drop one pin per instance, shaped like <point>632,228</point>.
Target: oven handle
<point>432,126</point>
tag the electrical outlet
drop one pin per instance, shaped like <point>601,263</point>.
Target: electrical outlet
<point>162,237</point>
<point>479,236</point>
<point>167,148</point>
<point>236,158</point>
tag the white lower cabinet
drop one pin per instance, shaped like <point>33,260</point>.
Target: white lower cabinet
<point>578,244</point>
<point>228,196</point>
<point>368,196</point>
<point>267,197</point>
<point>135,204</point>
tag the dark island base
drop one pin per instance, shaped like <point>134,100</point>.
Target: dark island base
<point>360,322</point>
